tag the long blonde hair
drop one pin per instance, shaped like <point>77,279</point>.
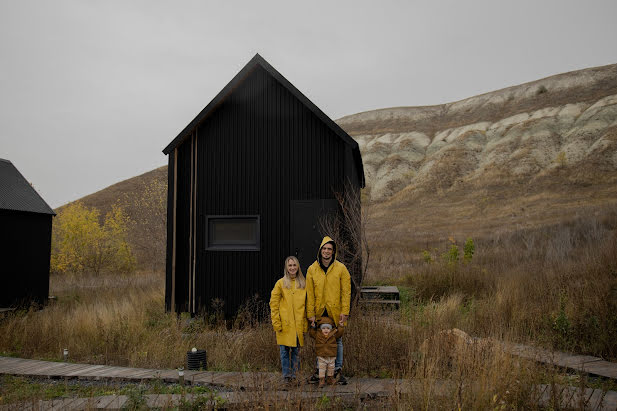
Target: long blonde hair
<point>300,281</point>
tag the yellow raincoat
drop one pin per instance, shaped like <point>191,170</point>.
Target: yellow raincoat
<point>331,290</point>
<point>287,308</point>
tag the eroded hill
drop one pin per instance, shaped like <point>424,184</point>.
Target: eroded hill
<point>521,132</point>
<point>536,155</point>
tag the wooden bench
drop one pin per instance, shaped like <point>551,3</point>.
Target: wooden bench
<point>386,296</point>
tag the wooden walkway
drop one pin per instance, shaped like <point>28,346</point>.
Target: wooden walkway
<point>239,387</point>
<point>579,363</point>
<point>242,388</point>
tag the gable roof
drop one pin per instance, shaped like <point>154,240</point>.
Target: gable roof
<point>17,194</point>
<point>238,79</point>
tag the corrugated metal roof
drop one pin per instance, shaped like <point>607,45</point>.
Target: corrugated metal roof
<point>17,194</point>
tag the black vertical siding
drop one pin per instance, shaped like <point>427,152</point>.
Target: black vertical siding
<point>258,150</point>
<point>183,245</point>
<point>25,248</point>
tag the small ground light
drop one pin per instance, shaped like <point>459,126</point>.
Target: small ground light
<point>65,354</point>
<point>181,375</point>
<point>194,349</point>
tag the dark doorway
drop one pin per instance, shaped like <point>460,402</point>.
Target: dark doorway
<point>305,231</point>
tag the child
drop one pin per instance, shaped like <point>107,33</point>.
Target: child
<point>325,348</point>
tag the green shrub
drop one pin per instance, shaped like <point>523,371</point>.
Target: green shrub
<point>468,250</point>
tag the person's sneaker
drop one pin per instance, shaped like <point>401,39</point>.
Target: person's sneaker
<point>340,379</point>
<point>313,379</point>
<point>322,382</point>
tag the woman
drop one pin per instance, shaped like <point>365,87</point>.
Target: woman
<point>287,307</point>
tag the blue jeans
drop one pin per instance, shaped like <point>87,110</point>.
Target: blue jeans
<point>338,363</point>
<point>289,360</point>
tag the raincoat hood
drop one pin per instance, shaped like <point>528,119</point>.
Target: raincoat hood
<point>326,240</point>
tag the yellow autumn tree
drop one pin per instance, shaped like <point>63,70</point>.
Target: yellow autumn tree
<point>81,244</point>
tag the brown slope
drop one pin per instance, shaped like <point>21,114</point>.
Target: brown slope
<point>498,177</point>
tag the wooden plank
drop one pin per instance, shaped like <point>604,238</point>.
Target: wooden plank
<point>602,368</point>
<point>256,379</point>
<point>26,368</point>
<point>195,221</point>
<point>83,404</point>
<point>122,373</point>
<point>367,386</point>
<point>7,361</point>
<point>202,376</point>
<point>152,400</point>
<point>160,401</point>
<point>104,401</point>
<point>583,363</point>
<point>61,371</point>
<point>169,375</point>
<point>380,289</point>
<point>118,402</point>
<point>144,374</point>
<point>22,365</point>
<point>224,377</point>
<point>86,371</point>
<point>609,402</point>
<point>59,404</point>
<point>175,229</point>
<point>572,397</point>
<point>106,372</point>
<point>395,302</point>
<point>206,377</point>
<point>7,367</point>
<point>64,371</point>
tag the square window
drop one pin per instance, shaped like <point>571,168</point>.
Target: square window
<point>232,233</point>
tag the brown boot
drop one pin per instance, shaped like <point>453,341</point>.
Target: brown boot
<point>331,380</point>
<point>322,382</point>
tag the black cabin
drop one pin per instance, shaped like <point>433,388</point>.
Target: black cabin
<point>25,243</point>
<point>249,178</point>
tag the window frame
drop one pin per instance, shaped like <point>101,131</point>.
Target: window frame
<point>255,246</point>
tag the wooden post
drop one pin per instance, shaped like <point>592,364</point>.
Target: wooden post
<point>191,222</point>
<point>173,252</point>
<point>196,221</point>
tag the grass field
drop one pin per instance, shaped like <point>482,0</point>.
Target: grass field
<point>555,287</point>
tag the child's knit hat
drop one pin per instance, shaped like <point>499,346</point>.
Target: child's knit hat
<point>325,322</point>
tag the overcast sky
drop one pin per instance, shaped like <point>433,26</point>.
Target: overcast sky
<point>92,91</point>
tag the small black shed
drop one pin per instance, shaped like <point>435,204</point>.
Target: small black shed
<point>249,178</point>
<point>25,243</point>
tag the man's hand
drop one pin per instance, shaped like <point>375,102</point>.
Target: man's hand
<point>343,318</point>
<point>312,320</point>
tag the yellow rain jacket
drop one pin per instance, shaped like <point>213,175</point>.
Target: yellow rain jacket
<point>287,308</point>
<point>331,290</point>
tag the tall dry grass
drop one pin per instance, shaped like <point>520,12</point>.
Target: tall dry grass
<point>120,321</point>
<point>555,287</point>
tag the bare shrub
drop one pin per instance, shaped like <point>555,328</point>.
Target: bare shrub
<point>348,230</point>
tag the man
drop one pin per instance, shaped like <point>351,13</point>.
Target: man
<point>328,293</point>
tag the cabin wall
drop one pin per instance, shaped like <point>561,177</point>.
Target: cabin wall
<point>260,149</point>
<point>25,248</point>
